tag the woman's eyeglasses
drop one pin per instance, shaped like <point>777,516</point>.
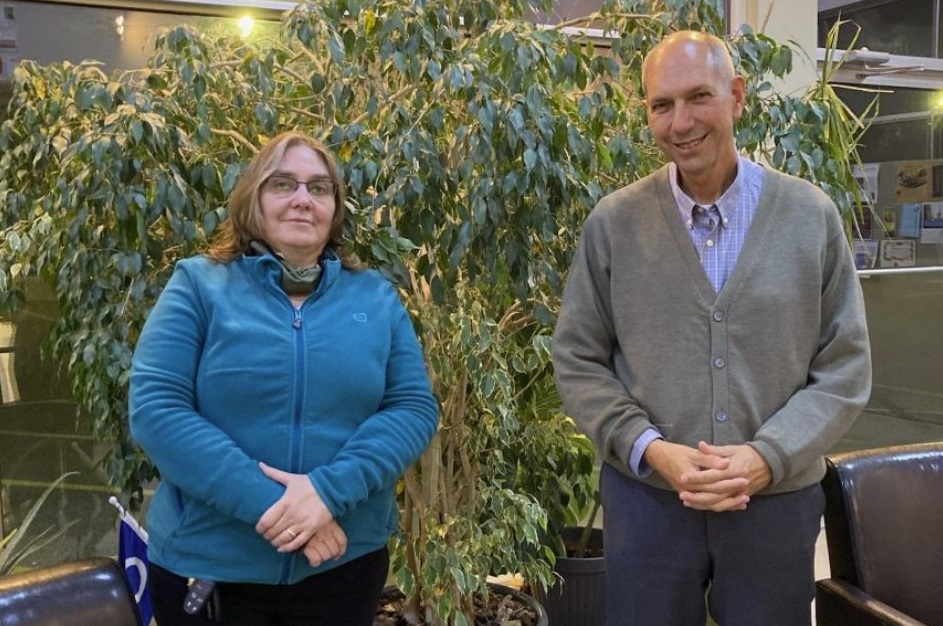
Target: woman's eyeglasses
<point>282,186</point>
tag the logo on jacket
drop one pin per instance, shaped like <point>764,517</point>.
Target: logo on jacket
<point>360,317</point>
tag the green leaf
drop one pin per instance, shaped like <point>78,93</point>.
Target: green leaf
<point>530,159</point>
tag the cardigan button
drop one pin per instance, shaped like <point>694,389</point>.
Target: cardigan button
<point>721,415</point>
<point>719,362</point>
<point>718,316</point>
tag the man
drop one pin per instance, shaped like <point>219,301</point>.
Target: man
<point>712,343</point>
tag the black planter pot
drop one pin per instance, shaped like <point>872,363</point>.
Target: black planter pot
<point>579,597</point>
<point>524,598</point>
<point>529,601</point>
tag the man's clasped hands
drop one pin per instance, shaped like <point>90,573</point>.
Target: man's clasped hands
<point>710,478</point>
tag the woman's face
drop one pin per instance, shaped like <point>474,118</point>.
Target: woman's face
<point>297,203</point>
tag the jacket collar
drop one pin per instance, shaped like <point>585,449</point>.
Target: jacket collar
<point>269,271</point>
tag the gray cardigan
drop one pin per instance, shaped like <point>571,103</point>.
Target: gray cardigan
<point>779,359</point>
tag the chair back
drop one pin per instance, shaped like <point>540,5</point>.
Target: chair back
<point>92,592</point>
<point>884,525</point>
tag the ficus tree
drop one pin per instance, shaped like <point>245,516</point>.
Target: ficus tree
<point>473,143</point>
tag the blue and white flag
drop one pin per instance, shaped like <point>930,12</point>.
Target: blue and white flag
<point>132,556</point>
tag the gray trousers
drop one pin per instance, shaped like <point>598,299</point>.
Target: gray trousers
<point>754,567</point>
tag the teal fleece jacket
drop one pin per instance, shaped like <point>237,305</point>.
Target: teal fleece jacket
<point>778,360</point>
<point>227,373</point>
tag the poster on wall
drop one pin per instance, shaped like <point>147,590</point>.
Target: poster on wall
<point>936,192</point>
<point>932,231</point>
<point>865,222</point>
<point>866,253</point>
<point>889,222</point>
<point>911,216</point>
<point>8,48</point>
<point>898,253</point>
<point>867,177</point>
<point>912,182</point>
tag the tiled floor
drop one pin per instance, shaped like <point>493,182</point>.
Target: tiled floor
<point>821,557</point>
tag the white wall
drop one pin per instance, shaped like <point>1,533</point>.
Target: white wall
<point>785,21</point>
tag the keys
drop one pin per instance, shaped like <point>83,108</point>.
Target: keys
<point>202,594</point>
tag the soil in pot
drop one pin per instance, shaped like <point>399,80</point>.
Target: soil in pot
<point>572,537</point>
<point>503,607</point>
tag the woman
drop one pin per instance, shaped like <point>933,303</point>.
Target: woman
<point>281,392</point>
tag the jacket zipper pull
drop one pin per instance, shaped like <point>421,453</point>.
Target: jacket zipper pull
<point>296,322</point>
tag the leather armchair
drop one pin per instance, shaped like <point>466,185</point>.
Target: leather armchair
<point>884,529</point>
<point>92,592</point>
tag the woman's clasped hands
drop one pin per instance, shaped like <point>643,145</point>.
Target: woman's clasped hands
<point>300,520</point>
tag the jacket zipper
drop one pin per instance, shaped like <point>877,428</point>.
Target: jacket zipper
<point>294,462</point>
<point>301,363</point>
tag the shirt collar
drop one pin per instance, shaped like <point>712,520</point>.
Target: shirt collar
<point>748,173</point>
<point>726,204</point>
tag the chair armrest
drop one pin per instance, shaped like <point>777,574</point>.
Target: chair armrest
<point>838,603</point>
<point>91,592</point>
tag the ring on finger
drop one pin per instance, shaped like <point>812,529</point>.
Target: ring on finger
<point>291,533</point>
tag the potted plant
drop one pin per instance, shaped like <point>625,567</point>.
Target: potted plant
<point>473,142</point>
<point>579,597</point>
<point>17,545</point>
<point>567,487</point>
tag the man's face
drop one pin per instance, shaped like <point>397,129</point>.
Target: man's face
<point>692,108</point>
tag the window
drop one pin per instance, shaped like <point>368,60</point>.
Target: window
<point>904,27</point>
<point>902,254</point>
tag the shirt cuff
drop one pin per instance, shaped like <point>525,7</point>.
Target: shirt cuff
<point>636,458</point>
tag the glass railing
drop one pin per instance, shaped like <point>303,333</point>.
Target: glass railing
<point>905,320</point>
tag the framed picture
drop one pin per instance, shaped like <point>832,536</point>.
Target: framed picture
<point>898,253</point>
